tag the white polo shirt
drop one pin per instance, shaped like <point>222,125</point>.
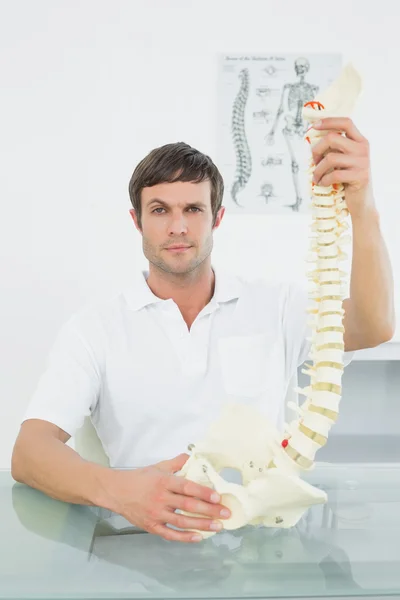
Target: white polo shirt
<point>151,386</point>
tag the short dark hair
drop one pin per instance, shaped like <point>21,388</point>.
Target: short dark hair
<point>175,162</point>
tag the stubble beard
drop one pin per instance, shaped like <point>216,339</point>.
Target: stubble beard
<point>177,265</point>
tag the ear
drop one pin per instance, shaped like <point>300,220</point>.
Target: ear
<point>133,214</point>
<point>218,220</point>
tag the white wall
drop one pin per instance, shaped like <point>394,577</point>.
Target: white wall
<point>88,87</point>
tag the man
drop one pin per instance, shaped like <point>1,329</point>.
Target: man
<point>153,365</point>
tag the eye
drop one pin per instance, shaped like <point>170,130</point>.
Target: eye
<point>156,210</point>
<point>195,209</point>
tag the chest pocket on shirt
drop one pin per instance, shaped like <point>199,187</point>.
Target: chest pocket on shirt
<point>247,362</point>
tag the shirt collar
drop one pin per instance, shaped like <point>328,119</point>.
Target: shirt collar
<point>139,295</point>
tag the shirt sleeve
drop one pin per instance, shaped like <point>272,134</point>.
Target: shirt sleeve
<point>296,330</point>
<point>69,387</point>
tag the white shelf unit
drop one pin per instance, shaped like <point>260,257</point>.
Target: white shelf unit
<point>388,351</point>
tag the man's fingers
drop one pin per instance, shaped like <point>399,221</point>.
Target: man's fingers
<point>333,161</point>
<point>350,176</point>
<point>199,507</point>
<point>177,536</point>
<point>334,142</point>
<point>187,522</point>
<point>341,124</point>
<point>185,487</point>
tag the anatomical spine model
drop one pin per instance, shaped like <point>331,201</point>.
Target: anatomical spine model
<point>272,493</point>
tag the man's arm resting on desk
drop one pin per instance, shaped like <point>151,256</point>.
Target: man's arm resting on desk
<point>147,497</point>
<point>42,460</point>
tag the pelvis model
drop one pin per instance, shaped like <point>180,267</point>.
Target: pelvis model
<point>272,492</point>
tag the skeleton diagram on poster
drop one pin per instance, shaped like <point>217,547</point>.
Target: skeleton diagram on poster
<point>262,154</point>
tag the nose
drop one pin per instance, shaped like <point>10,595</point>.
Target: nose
<point>177,225</point>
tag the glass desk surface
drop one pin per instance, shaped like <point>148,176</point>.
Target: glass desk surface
<point>345,548</point>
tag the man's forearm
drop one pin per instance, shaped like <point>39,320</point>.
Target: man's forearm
<point>58,471</point>
<point>371,283</point>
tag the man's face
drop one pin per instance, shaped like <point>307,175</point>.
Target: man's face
<point>176,225</point>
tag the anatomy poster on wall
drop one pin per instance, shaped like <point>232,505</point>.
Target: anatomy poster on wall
<point>262,154</point>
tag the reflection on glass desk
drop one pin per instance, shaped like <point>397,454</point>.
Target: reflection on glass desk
<point>347,547</point>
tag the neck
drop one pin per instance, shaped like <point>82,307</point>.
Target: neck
<point>190,291</point>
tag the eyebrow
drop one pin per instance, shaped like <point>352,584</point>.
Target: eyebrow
<point>188,204</point>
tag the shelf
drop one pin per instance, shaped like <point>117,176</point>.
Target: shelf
<point>359,448</point>
<point>388,351</point>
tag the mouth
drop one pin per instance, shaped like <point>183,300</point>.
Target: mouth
<point>178,248</point>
